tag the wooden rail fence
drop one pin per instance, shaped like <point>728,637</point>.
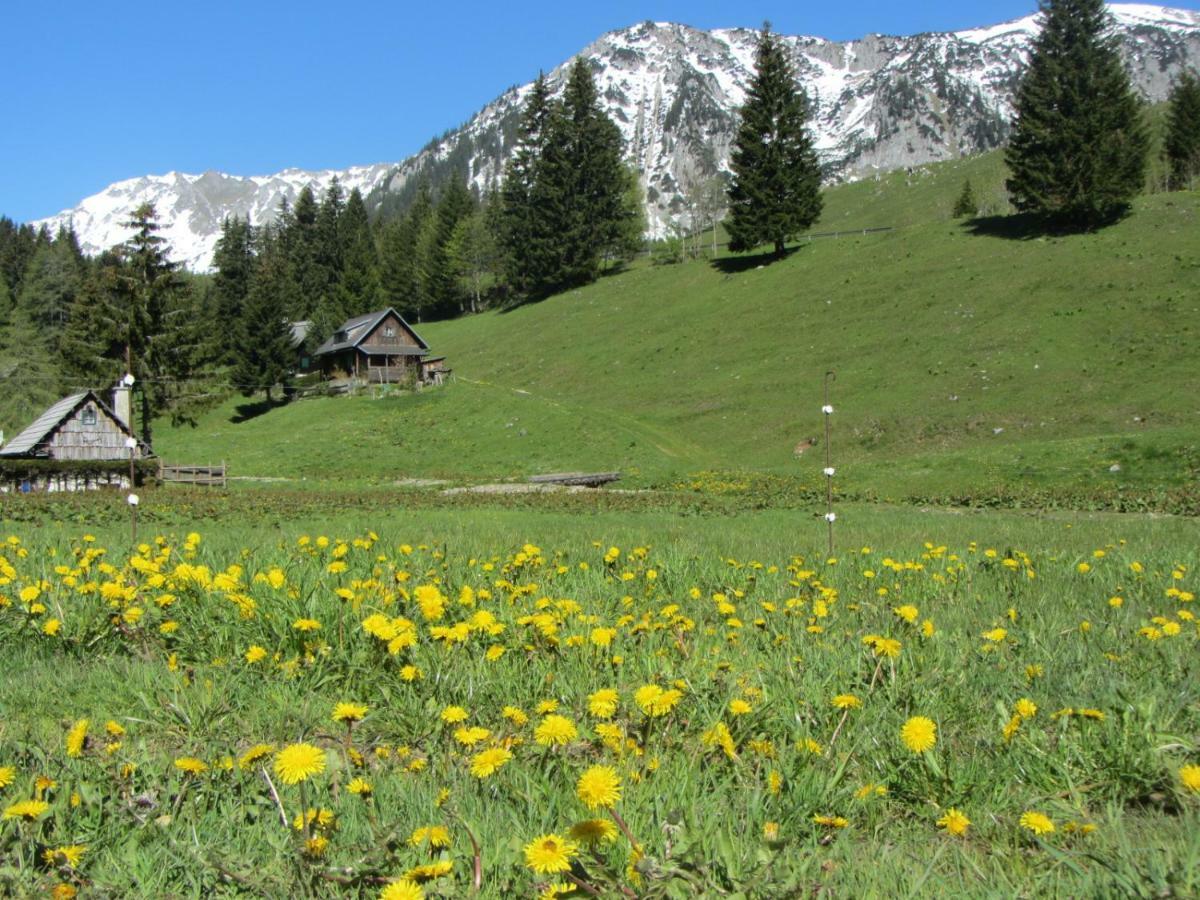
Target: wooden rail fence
<point>203,476</point>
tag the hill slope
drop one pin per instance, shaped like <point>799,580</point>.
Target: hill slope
<point>963,356</point>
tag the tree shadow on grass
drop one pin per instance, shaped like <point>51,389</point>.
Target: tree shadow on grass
<point>1030,226</point>
<point>248,411</point>
<point>733,265</point>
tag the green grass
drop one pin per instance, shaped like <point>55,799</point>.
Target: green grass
<point>699,815</point>
<point>964,362</point>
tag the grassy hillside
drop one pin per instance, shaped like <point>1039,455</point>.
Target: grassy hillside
<point>964,356</point>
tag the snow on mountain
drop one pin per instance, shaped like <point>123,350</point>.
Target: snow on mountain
<point>879,103</point>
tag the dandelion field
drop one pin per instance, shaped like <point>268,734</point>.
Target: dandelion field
<point>587,715</point>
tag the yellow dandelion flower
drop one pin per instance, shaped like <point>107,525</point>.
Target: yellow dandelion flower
<point>1038,823</point>
<point>594,831</point>
<point>599,787</point>
<point>846,701</point>
<point>487,762</point>
<point>452,715</point>
<point>919,734</point>
<point>515,714</point>
<point>603,703</point>
<point>549,854</point>
<point>7,774</point>
<point>306,625</point>
<point>191,765</point>
<point>555,730</point>
<point>77,738</point>
<point>954,822</point>
<point>254,754</point>
<point>403,889</point>
<point>299,762</point>
<point>996,635</point>
<point>70,855</point>
<point>740,707</point>
<point>1026,708</point>
<point>430,871</point>
<point>1189,777</point>
<point>349,712</point>
<point>27,810</point>
<point>469,737</point>
<point>831,821</point>
<point>360,786</point>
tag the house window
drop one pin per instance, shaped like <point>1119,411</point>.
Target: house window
<point>389,331</point>
<point>88,416</point>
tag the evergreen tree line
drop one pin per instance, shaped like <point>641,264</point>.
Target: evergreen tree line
<point>68,323</point>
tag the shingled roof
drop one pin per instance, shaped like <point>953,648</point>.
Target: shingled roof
<point>354,331</point>
<point>27,442</point>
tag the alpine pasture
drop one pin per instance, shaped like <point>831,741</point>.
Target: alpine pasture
<point>336,682</point>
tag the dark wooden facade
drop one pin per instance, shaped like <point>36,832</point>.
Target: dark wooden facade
<point>379,347</point>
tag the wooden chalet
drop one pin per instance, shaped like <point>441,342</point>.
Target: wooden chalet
<point>79,427</point>
<point>379,347</point>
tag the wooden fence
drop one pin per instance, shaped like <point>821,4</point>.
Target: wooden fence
<point>202,476</point>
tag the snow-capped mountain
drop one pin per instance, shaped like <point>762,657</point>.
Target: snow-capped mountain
<point>878,103</point>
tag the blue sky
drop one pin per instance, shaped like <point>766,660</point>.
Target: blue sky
<point>95,92</point>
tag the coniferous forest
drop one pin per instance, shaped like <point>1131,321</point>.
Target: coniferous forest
<point>568,210</point>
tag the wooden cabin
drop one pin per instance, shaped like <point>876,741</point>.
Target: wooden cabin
<point>379,347</point>
<point>79,427</point>
<point>83,433</point>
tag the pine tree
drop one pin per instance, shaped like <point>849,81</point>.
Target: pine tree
<point>522,238</point>
<point>966,206</point>
<point>455,204</point>
<point>29,379</point>
<point>299,235</point>
<point>92,347</point>
<point>1183,133</point>
<point>595,179</point>
<point>151,315</point>
<point>233,258</point>
<point>776,189</point>
<point>359,285</point>
<point>1078,152</point>
<point>49,286</point>
<point>263,339</point>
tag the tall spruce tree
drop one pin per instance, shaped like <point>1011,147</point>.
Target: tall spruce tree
<point>233,258</point>
<point>455,204</point>
<point>29,379</point>
<point>301,241</point>
<point>1078,151</point>
<point>49,286</point>
<point>150,313</point>
<point>526,243</point>
<point>265,354</point>
<point>358,287</point>
<point>595,180</point>
<point>776,189</point>
<point>1182,143</point>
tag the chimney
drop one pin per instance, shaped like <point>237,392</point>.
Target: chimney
<point>120,398</point>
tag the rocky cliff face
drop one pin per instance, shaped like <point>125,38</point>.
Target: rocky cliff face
<point>878,103</point>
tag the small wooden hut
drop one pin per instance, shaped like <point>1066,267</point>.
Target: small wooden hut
<point>77,444</point>
<point>79,427</point>
<point>378,347</point>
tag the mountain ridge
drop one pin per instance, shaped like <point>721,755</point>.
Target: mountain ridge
<point>879,103</point>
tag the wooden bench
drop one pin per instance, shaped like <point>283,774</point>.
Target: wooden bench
<point>577,479</point>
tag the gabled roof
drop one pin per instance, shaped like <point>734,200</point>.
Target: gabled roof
<point>25,443</point>
<point>299,331</point>
<point>356,330</point>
